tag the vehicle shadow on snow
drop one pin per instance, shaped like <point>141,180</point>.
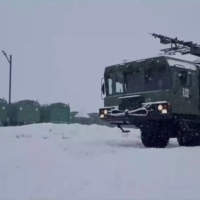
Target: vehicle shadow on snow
<point>135,144</point>
<point>131,144</point>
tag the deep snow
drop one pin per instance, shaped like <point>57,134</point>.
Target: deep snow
<point>49,161</point>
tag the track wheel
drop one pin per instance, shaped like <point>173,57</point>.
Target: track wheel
<point>154,139</point>
<point>188,140</point>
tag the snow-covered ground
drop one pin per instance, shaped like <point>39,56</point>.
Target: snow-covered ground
<point>74,161</point>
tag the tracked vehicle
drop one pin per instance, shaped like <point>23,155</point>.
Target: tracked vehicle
<point>159,95</point>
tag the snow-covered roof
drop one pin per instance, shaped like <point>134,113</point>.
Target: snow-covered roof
<point>183,63</point>
<point>82,114</point>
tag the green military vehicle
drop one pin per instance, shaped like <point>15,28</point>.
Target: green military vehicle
<point>159,95</point>
<point>25,112</point>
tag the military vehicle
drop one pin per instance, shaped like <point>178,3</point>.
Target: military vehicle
<point>159,95</point>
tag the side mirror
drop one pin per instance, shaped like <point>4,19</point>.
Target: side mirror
<point>103,88</point>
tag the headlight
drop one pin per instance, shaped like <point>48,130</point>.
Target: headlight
<point>102,116</point>
<point>160,107</point>
<point>105,112</point>
<point>164,111</point>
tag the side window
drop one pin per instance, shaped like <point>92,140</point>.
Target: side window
<point>185,78</point>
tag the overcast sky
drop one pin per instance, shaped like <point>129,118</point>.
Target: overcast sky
<point>60,48</point>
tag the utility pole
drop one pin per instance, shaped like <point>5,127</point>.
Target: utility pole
<point>10,78</point>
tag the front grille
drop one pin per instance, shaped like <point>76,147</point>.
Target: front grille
<point>131,103</point>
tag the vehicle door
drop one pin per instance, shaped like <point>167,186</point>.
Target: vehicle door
<point>183,91</point>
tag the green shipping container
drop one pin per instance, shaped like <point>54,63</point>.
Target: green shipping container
<point>3,112</point>
<point>25,112</point>
<point>55,113</point>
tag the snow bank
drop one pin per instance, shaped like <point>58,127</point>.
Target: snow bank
<point>74,161</point>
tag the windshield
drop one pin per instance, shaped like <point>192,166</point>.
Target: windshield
<point>157,78</point>
<point>148,78</point>
<point>145,78</point>
<point>114,83</point>
<point>134,81</point>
